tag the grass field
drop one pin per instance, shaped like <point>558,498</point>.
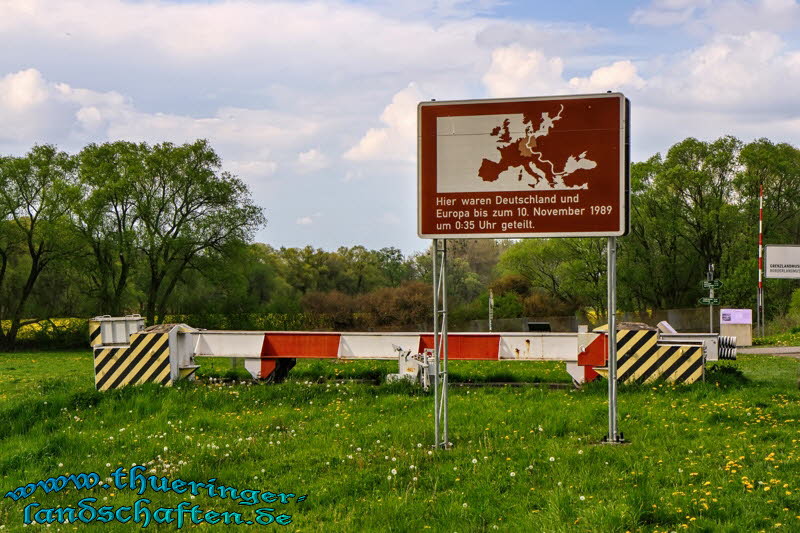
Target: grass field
<point>715,456</point>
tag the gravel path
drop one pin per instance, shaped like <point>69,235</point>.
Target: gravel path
<point>787,351</point>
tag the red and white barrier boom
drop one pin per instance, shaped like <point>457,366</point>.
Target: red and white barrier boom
<point>126,353</point>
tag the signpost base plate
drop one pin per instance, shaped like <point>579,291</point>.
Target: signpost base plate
<point>619,440</point>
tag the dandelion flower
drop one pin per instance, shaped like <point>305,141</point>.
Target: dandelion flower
<point>513,474</point>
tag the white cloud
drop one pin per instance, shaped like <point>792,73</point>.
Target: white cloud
<point>668,12</point>
<point>331,35</point>
<point>308,219</point>
<point>721,16</point>
<point>516,71</point>
<point>311,160</point>
<point>611,78</point>
<point>34,110</point>
<point>740,74</point>
<point>396,140</point>
<point>22,90</point>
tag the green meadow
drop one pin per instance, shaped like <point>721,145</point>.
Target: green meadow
<point>723,455</point>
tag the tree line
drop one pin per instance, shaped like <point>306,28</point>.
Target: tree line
<point>115,227</point>
<point>162,229</point>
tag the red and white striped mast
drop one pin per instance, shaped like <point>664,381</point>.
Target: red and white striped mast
<point>760,294</point>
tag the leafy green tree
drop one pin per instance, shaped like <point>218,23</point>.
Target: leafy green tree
<point>37,193</point>
<point>187,207</point>
<point>697,179</point>
<point>657,269</point>
<point>107,218</point>
<point>395,268</point>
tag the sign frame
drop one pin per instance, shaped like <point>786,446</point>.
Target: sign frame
<point>623,221</point>
<point>766,260</point>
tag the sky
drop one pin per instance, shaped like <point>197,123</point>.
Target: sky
<point>313,104</point>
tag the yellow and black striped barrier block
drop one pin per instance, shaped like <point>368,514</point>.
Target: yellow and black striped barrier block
<point>146,360</point>
<point>95,338</point>
<point>641,360</point>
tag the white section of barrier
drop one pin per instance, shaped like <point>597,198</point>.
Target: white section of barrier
<point>539,347</point>
<point>228,343</point>
<point>254,367</point>
<point>576,372</point>
<point>376,346</point>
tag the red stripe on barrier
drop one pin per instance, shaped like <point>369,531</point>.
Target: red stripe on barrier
<point>471,347</point>
<point>319,345</point>
<point>596,353</point>
<point>267,367</point>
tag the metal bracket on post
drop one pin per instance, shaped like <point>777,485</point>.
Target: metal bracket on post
<point>613,437</point>
<point>439,269</point>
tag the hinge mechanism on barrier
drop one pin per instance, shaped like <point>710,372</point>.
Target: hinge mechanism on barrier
<point>413,367</point>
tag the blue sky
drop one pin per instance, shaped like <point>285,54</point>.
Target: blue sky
<point>314,103</point>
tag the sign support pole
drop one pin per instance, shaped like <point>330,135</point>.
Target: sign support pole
<point>439,270</point>
<point>710,278</point>
<point>760,294</point>
<point>613,436</point>
<point>491,309</point>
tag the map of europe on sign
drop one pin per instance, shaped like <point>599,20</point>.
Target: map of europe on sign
<point>512,157</point>
<point>536,167</point>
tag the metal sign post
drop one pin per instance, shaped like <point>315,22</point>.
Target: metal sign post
<point>491,309</point>
<point>613,436</point>
<point>439,269</point>
<point>710,278</point>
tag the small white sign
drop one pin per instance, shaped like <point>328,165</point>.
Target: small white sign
<point>782,261</point>
<point>736,316</point>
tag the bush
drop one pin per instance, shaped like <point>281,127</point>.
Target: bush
<point>255,321</point>
<point>54,334</point>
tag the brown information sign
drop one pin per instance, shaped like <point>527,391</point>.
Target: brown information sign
<point>532,167</point>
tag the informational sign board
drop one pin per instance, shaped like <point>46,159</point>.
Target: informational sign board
<point>525,167</point>
<point>736,316</point>
<point>781,261</point>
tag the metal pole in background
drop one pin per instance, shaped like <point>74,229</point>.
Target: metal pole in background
<point>491,309</point>
<point>710,278</point>
<point>439,269</point>
<point>612,437</point>
<point>760,298</point>
<point>443,344</point>
<point>434,273</point>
